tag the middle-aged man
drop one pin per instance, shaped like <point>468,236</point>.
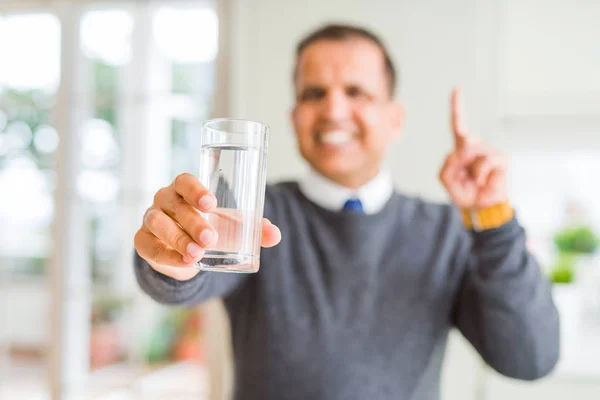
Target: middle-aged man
<point>355,300</point>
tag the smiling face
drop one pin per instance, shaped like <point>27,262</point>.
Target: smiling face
<point>344,115</point>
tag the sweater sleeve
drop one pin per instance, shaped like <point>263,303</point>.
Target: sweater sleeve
<point>166,290</point>
<point>504,305</point>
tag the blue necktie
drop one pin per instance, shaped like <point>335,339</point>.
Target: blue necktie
<point>353,206</point>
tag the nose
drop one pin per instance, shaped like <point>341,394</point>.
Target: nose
<point>336,106</point>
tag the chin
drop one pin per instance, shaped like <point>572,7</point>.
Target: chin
<point>333,162</point>
<point>333,170</point>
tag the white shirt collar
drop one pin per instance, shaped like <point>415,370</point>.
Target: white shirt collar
<point>327,194</point>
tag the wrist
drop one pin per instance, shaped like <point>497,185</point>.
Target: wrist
<point>489,217</point>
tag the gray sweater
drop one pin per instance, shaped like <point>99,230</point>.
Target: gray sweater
<point>352,306</point>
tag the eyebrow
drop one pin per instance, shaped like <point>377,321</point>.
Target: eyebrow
<point>316,86</point>
<point>307,88</point>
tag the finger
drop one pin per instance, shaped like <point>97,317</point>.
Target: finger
<point>495,178</point>
<point>457,164</point>
<point>459,128</point>
<point>228,214</point>
<point>155,251</point>
<point>271,234</point>
<point>193,192</point>
<point>483,166</point>
<point>488,195</point>
<point>450,169</point>
<point>480,170</point>
<point>190,220</point>
<point>471,149</point>
<point>164,228</point>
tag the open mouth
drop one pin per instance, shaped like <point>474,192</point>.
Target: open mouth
<point>336,137</point>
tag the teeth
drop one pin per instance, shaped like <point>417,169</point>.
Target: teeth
<point>336,137</point>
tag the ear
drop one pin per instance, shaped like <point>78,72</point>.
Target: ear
<point>294,116</point>
<point>397,119</point>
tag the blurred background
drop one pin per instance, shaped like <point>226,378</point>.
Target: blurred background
<point>100,106</point>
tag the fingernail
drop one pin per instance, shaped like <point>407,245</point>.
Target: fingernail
<point>194,250</point>
<point>206,236</point>
<point>207,202</point>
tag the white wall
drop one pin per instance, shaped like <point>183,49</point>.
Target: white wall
<point>514,58</point>
<point>431,41</point>
<point>433,44</point>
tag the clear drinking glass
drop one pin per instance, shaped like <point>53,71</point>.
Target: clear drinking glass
<point>233,166</point>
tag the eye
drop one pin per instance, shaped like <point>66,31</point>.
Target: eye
<point>312,94</point>
<point>355,92</point>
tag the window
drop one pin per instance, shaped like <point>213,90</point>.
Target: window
<point>141,90</point>
<point>28,141</point>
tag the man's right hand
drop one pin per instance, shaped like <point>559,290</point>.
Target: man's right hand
<point>174,234</point>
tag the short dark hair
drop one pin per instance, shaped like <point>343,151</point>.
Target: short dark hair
<point>342,32</point>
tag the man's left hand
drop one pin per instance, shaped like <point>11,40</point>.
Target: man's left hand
<point>474,175</point>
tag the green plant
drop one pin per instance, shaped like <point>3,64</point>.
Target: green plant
<point>563,271</point>
<point>163,338</point>
<point>107,308</point>
<point>580,239</point>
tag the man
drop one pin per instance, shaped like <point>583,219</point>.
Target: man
<point>357,299</point>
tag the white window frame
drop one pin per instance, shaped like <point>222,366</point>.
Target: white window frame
<point>144,168</point>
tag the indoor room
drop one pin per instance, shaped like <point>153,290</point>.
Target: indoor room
<point>105,102</point>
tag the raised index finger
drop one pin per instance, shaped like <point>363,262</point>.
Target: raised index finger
<point>194,193</point>
<point>459,128</point>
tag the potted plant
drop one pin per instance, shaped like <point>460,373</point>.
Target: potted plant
<point>563,270</point>
<point>177,337</point>
<point>575,246</point>
<point>576,240</point>
<point>188,344</point>
<point>105,341</point>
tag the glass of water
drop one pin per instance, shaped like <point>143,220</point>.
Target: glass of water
<point>233,166</point>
